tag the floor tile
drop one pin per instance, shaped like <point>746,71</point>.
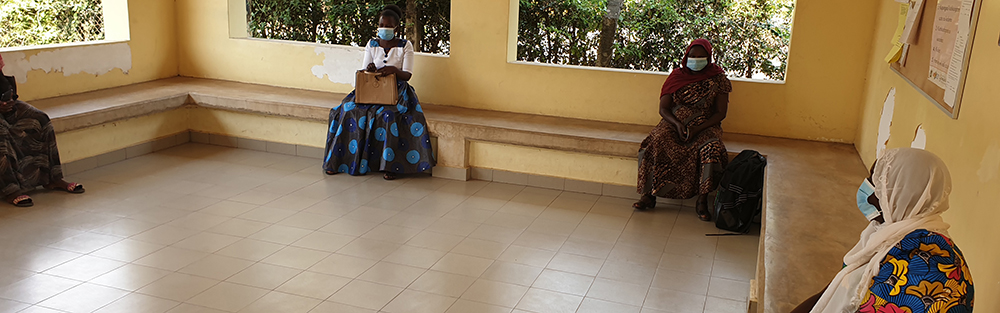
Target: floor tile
<point>495,293</point>
<point>206,242</point>
<point>228,297</point>
<point>591,305</point>
<point>674,301</point>
<point>540,300</point>
<point>85,268</point>
<point>233,230</point>
<point>564,282</point>
<point>414,256</point>
<point>333,307</point>
<point>343,265</point>
<point>130,277</point>
<point>177,286</point>
<point>729,289</point>
<point>576,264</point>
<point>514,273</point>
<point>462,265</point>
<point>720,305</point>
<point>295,257</point>
<point>616,291</point>
<point>350,227</point>
<point>281,302</point>
<point>171,259</point>
<point>86,242</point>
<point>238,227</point>
<point>410,301</point>
<point>37,288</point>
<point>392,274</point>
<point>391,233</point>
<point>447,284</point>
<point>366,294</point>
<point>435,240</point>
<point>280,234</point>
<point>314,285</point>
<point>627,272</point>
<point>462,306</point>
<point>11,306</point>
<point>139,303</point>
<point>266,276</point>
<point>250,249</point>
<point>84,298</point>
<point>681,281</point>
<point>324,241</point>
<point>216,267</point>
<point>527,256</point>
<point>127,250</point>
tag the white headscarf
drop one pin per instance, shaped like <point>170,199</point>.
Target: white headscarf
<point>912,186</point>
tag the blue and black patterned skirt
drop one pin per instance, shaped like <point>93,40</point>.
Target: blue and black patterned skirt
<point>383,138</point>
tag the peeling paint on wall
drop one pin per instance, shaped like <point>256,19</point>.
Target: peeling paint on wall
<point>339,64</point>
<point>989,168</point>
<point>885,121</point>
<point>92,59</point>
<point>919,139</point>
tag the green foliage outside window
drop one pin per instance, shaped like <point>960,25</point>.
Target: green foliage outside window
<point>348,22</point>
<point>41,22</point>
<point>750,37</point>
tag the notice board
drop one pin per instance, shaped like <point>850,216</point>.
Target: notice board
<point>915,65</point>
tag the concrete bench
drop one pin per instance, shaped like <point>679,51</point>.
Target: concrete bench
<point>809,188</point>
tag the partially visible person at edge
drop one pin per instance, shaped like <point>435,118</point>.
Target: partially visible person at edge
<point>684,156</point>
<point>29,157</point>
<point>905,261</point>
<point>391,139</point>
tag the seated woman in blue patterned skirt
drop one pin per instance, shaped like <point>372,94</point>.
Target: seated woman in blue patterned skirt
<point>389,139</point>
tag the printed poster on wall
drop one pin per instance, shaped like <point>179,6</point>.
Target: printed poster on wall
<point>943,39</point>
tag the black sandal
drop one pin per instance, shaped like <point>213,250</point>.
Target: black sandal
<point>701,208</point>
<point>645,203</point>
<point>389,176</point>
<point>22,201</point>
<point>330,172</point>
<point>71,188</point>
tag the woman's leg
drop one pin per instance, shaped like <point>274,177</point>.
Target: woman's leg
<point>701,208</point>
<point>645,202</point>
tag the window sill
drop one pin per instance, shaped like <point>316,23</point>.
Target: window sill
<point>324,45</point>
<point>627,71</point>
<point>62,45</point>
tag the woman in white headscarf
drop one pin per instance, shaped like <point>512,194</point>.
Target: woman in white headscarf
<point>905,262</point>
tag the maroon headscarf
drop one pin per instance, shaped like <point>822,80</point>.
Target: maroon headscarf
<point>683,76</point>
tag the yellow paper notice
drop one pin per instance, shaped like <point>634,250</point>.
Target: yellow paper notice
<point>897,47</point>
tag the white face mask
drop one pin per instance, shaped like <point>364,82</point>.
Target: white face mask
<point>697,64</point>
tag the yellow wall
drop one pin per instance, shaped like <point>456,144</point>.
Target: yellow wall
<point>969,145</point>
<point>153,46</point>
<point>819,101</point>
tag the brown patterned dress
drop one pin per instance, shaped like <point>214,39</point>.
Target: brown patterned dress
<point>673,169</point>
<point>28,154</point>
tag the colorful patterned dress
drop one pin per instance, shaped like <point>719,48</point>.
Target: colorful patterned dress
<point>366,138</point>
<point>28,154</point>
<point>924,273</point>
<point>673,169</point>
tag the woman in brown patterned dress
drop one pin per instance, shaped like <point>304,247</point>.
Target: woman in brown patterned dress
<point>28,154</point>
<point>683,156</point>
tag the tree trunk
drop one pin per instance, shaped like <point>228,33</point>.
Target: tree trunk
<point>414,29</point>
<point>609,30</point>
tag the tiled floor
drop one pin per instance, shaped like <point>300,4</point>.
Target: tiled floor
<point>202,228</point>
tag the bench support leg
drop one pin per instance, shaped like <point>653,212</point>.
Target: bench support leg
<point>452,159</point>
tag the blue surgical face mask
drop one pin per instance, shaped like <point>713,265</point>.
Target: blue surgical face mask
<point>697,64</point>
<point>865,191</point>
<point>386,33</point>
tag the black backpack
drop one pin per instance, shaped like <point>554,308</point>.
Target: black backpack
<point>740,192</point>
